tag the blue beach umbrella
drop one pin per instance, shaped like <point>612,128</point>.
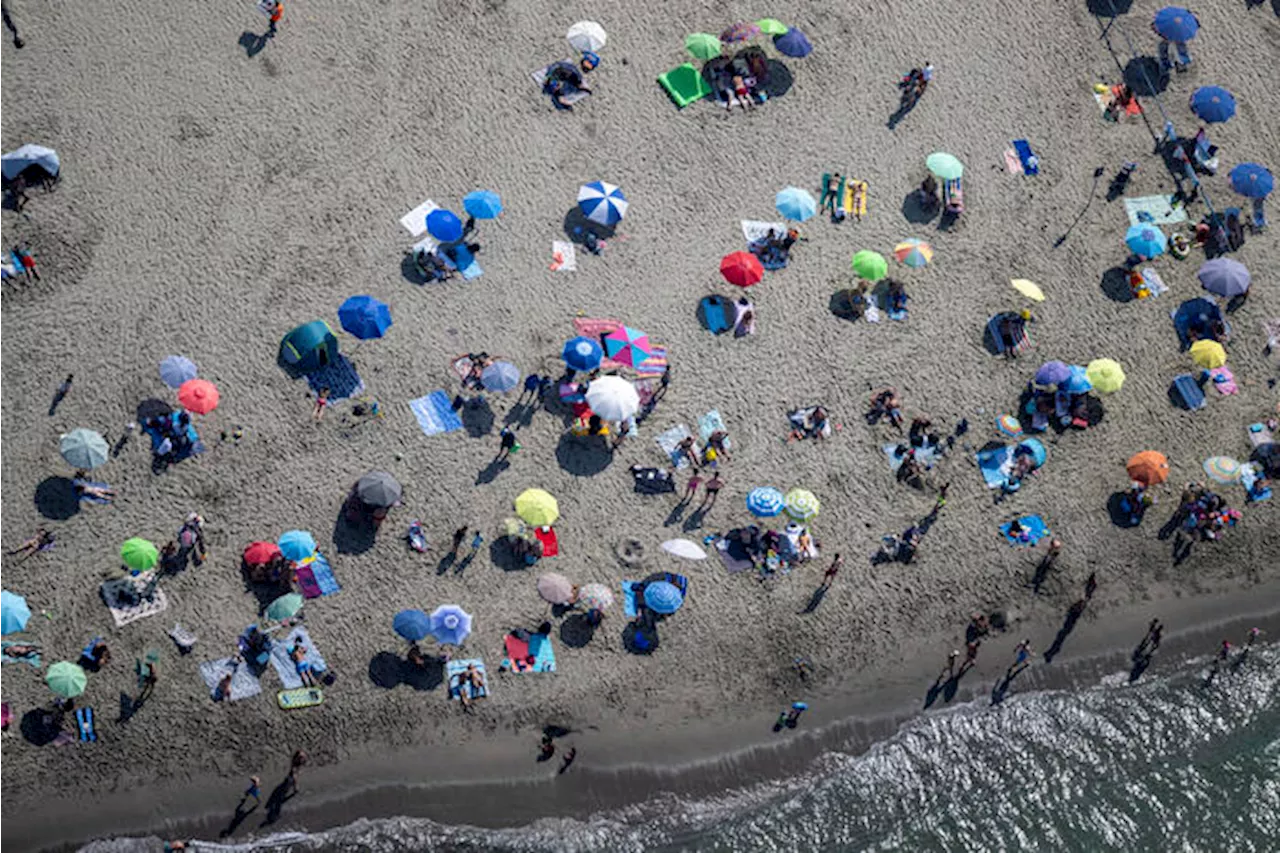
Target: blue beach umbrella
<point>14,613</point>
<point>296,545</point>
<point>662,597</point>
<point>364,317</point>
<point>1213,103</point>
<point>450,624</point>
<point>1146,240</point>
<point>1252,180</point>
<point>793,43</point>
<point>413,625</point>
<point>795,203</point>
<point>1175,23</point>
<point>176,369</point>
<point>482,204</point>
<point>765,502</point>
<point>1225,277</point>
<point>501,377</point>
<point>602,202</point>
<point>582,354</point>
<point>1077,382</point>
<point>444,225</point>
<point>1052,372</point>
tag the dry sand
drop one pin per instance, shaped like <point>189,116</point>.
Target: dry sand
<point>211,201</point>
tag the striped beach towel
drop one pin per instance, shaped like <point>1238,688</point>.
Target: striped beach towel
<point>597,328</point>
<point>435,413</point>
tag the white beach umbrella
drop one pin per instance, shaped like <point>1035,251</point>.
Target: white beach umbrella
<point>613,398</point>
<point>587,36</point>
<point>684,548</point>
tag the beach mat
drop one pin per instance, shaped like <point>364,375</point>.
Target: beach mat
<point>850,188</point>
<point>33,659</point>
<point>339,376</point>
<point>518,651</point>
<point>415,221</point>
<point>1222,379</point>
<point>316,578</point>
<point>655,364</point>
<point>125,615</point>
<point>1012,164</point>
<point>926,454</point>
<point>455,668</point>
<point>435,413</point>
<point>84,722</point>
<point>243,683</point>
<point>564,257</point>
<point>299,697</point>
<point>994,465</point>
<point>1033,527</point>
<point>630,607</point>
<point>1030,162</point>
<point>755,231</point>
<point>731,563</point>
<point>713,314</point>
<point>684,85</point>
<point>285,667</point>
<point>1185,391</point>
<point>1154,209</point>
<point>550,542</point>
<point>670,440</point>
<point>711,423</point>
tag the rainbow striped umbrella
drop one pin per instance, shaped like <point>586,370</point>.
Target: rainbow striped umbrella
<point>1222,469</point>
<point>913,253</point>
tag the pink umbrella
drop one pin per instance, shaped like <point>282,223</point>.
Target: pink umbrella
<point>627,346</point>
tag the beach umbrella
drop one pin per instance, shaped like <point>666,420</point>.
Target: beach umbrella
<point>260,553</point>
<point>1146,240</point>
<point>663,597</point>
<point>793,43</point>
<point>555,588</point>
<point>869,265</point>
<point>582,354</point>
<point>772,26</point>
<point>1175,24</point>
<point>284,607</point>
<point>1252,180</point>
<point>413,625</point>
<point>444,225</point>
<point>602,202</point>
<point>482,204</point>
<point>66,679</point>
<point>199,396</point>
<point>595,596</point>
<point>627,346</point>
<point>1224,276</point>
<point>83,448</point>
<point>139,554</point>
<point>944,165</point>
<point>1106,375</point>
<point>1150,468</point>
<point>14,163</point>
<point>512,527</point>
<point>538,508</point>
<point>741,268</point>
<point>14,613</point>
<point>801,505</point>
<point>500,377</point>
<point>1222,469</point>
<point>613,398</point>
<point>176,369</point>
<point>378,489</point>
<point>1051,373</point>
<point>1077,381</point>
<point>1009,425</point>
<point>1028,288</point>
<point>450,624</point>
<point>795,203</point>
<point>684,548</point>
<point>703,46</point>
<point>587,36</point>
<point>364,317</point>
<point>1036,449</point>
<point>765,502</point>
<point>297,545</point>
<point>913,253</point>
<point>1213,103</point>
<point>741,31</point>
<point>1208,354</point>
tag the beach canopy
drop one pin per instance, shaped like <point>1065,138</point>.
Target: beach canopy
<point>199,396</point>
<point>413,625</point>
<point>1077,381</point>
<point>1106,375</point>
<point>483,204</point>
<point>1027,288</point>
<point>602,202</point>
<point>444,225</point>
<point>613,398</point>
<point>450,624</point>
<point>176,369</point>
<point>1225,277</point>
<point>66,679</point>
<point>869,265</point>
<point>741,268</point>
<point>297,545</point>
<point>944,165</point>
<point>582,354</point>
<point>16,162</point>
<point>801,505</point>
<point>913,253</point>
<point>378,489</point>
<point>627,346</point>
<point>260,553</point>
<point>587,37</point>
<point>1146,240</point>
<point>1051,373</point>
<point>309,347</point>
<point>1149,468</point>
<point>14,613</point>
<point>765,502</point>
<point>1223,469</point>
<point>663,597</point>
<point>285,607</point>
<point>702,45</point>
<point>538,508</point>
<point>795,203</point>
<point>772,26</point>
<point>1175,24</point>
<point>83,448</point>
<point>139,554</point>
<point>741,31</point>
<point>685,549</point>
<point>555,588</point>
<point>1208,354</point>
<point>364,317</point>
<point>1252,180</point>
<point>793,43</point>
<point>595,596</point>
<point>1213,103</point>
<point>500,377</point>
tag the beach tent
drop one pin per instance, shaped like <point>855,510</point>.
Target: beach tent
<point>42,161</point>
<point>310,347</point>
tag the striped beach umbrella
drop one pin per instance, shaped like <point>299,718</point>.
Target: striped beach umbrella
<point>663,597</point>
<point>602,202</point>
<point>801,504</point>
<point>1222,469</point>
<point>765,502</point>
<point>1009,425</point>
<point>913,253</point>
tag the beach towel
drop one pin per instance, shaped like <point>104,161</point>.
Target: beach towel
<point>670,440</point>
<point>630,607</point>
<point>124,613</point>
<point>518,652</point>
<point>564,257</point>
<point>712,313</point>
<point>84,722</point>
<point>734,558</point>
<point>415,221</point>
<point>684,84</point>
<point>995,466</point>
<point>459,257</point>
<point>1030,162</point>
<point>926,454</point>
<point>1155,284</point>
<point>655,364</point>
<point>758,232</point>
<point>571,98</point>
<point>316,579</point>
<point>711,423</point>
<point>1249,477</point>
<point>1259,435</point>
<point>183,638</point>
<point>859,190</point>
<point>1155,210</point>
<point>339,376</point>
<point>33,658</point>
<point>455,668</point>
<point>550,543</point>
<point>1186,392</point>
<point>93,499</point>
<point>1222,379</point>
<point>435,413</point>
<point>1033,530</point>
<point>1012,164</point>
<point>898,314</point>
<point>284,665</point>
<point>243,682</point>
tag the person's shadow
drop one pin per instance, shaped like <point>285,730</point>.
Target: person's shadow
<point>275,803</point>
<point>238,818</point>
<point>446,563</point>
<point>816,599</point>
<point>254,43</point>
<point>58,397</point>
<point>1068,625</point>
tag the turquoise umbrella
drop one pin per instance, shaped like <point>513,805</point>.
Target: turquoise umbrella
<point>83,448</point>
<point>944,165</point>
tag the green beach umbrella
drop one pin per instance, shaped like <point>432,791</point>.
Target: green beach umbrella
<point>139,554</point>
<point>870,265</point>
<point>284,607</point>
<point>772,26</point>
<point>703,45</point>
<point>83,448</point>
<point>66,679</point>
<point>944,165</point>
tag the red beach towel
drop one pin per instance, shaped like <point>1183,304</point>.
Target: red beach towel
<point>550,544</point>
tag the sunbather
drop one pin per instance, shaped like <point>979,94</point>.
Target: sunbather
<point>886,403</point>
<point>830,193</point>
<point>89,490</point>
<point>743,92</point>
<point>42,541</point>
<point>22,650</point>
<point>298,654</point>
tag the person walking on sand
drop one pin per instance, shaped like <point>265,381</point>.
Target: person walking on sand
<point>254,790</point>
<point>713,487</point>
<point>829,576</point>
<point>793,716</point>
<point>277,12</point>
<point>1050,556</point>
<point>970,655</point>
<point>949,671</point>
<point>1021,659</point>
<point>568,758</point>
<point>695,480</point>
<point>509,445</point>
<point>322,403</point>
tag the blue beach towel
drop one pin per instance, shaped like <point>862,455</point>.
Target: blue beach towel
<point>544,655</point>
<point>243,682</point>
<point>435,413</point>
<point>994,465</point>
<point>84,722</point>
<point>897,314</point>
<point>710,423</point>
<point>323,574</point>
<point>1030,162</point>
<point>454,668</point>
<point>33,658</point>
<point>629,606</point>
<point>285,668</point>
<point>712,312</point>
<point>1187,393</point>
<point>1033,530</point>
<point>339,376</point>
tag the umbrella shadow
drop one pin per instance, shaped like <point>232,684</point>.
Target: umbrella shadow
<point>1145,76</point>
<point>253,43</point>
<point>577,631</point>
<point>410,272</point>
<point>388,671</point>
<point>577,226</point>
<point>40,726</point>
<point>780,79</point>
<point>56,499</point>
<point>914,211</point>
<point>502,555</point>
<point>841,305</point>
<point>353,537</point>
<point>582,458</point>
<point>1109,8</point>
<point>1120,515</point>
<point>1115,285</point>
<point>477,417</point>
<point>640,638</point>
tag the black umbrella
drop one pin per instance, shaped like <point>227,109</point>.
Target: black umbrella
<point>378,489</point>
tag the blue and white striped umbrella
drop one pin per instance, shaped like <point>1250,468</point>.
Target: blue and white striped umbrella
<point>765,502</point>
<point>602,202</point>
<point>176,369</point>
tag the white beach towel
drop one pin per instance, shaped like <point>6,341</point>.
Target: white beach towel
<point>124,615</point>
<point>1154,282</point>
<point>415,221</point>
<point>753,230</point>
<point>285,666</point>
<point>243,683</point>
<point>564,257</point>
<point>670,440</point>
<point>1156,209</point>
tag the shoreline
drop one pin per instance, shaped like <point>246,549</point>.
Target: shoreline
<point>494,784</point>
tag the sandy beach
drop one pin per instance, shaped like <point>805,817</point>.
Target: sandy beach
<point>219,189</point>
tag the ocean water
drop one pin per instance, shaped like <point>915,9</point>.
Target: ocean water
<point>1167,764</point>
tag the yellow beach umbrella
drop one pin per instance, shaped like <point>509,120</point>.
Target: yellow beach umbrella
<point>1208,354</point>
<point>1106,375</point>
<point>1028,288</point>
<point>537,507</point>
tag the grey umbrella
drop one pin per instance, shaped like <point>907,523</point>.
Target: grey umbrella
<point>378,489</point>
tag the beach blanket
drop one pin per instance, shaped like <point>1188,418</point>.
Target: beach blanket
<point>733,555</point>
<point>455,668</point>
<point>415,221</point>
<point>1223,379</point>
<point>995,465</point>
<point>1154,209</point>
<point>32,658</point>
<point>1186,392</point>
<point>550,542</point>
<point>670,440</point>
<point>518,652</point>
<point>756,232</point>
<point>1155,284</point>
<point>790,544</point>
<point>1033,530</point>
<point>1012,164</point>
<point>285,667</point>
<point>684,84</point>
<point>84,722</point>
<point>630,607</point>
<point>859,189</point>
<point>122,613</point>
<point>339,376</point>
<point>1249,477</point>
<point>316,578</point>
<point>243,683</point>
<point>712,312</point>
<point>1030,162</point>
<point>564,257</point>
<point>926,454</point>
<point>540,77</point>
<point>1259,435</point>
<point>1271,328</point>
<point>711,423</point>
<point>435,413</point>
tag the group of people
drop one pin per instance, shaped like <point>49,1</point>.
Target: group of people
<point>774,249</point>
<point>173,438</point>
<point>740,81</point>
<point>771,552</point>
<point>565,79</point>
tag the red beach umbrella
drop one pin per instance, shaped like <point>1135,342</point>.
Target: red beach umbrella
<point>198,395</point>
<point>261,553</point>
<point>742,269</point>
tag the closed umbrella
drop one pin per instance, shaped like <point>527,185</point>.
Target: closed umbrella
<point>582,354</point>
<point>555,588</point>
<point>1208,354</point>
<point>1106,375</point>
<point>176,369</point>
<point>284,607</point>
<point>702,45</point>
<point>1149,468</point>
<point>1051,373</point>
<point>587,36</point>
<point>1077,381</point>
<point>1222,469</point>
<point>602,202</point>
<point>444,225</point>
<point>1213,103</point>
<point>364,317</point>
<point>1225,277</point>
<point>1175,24</point>
<point>741,268</point>
<point>83,448</point>
<point>627,346</point>
<point>662,597</point>
<point>1252,180</point>
<point>771,26</point>
<point>684,548</point>
<point>139,554</point>
<point>482,204</point>
<point>765,502</point>
<point>944,165</point>
<point>1028,288</point>
<point>595,596</point>
<point>913,253</point>
<point>795,203</point>
<point>801,504</point>
<point>1146,240</point>
<point>378,489</point>
<point>260,553</point>
<point>500,377</point>
<point>297,545</point>
<point>613,398</point>
<point>66,679</point>
<point>413,625</point>
<point>14,613</point>
<point>450,624</point>
<point>198,395</point>
<point>537,508</point>
<point>793,43</point>
<point>869,265</point>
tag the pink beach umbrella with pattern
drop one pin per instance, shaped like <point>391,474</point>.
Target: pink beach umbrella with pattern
<point>627,346</point>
